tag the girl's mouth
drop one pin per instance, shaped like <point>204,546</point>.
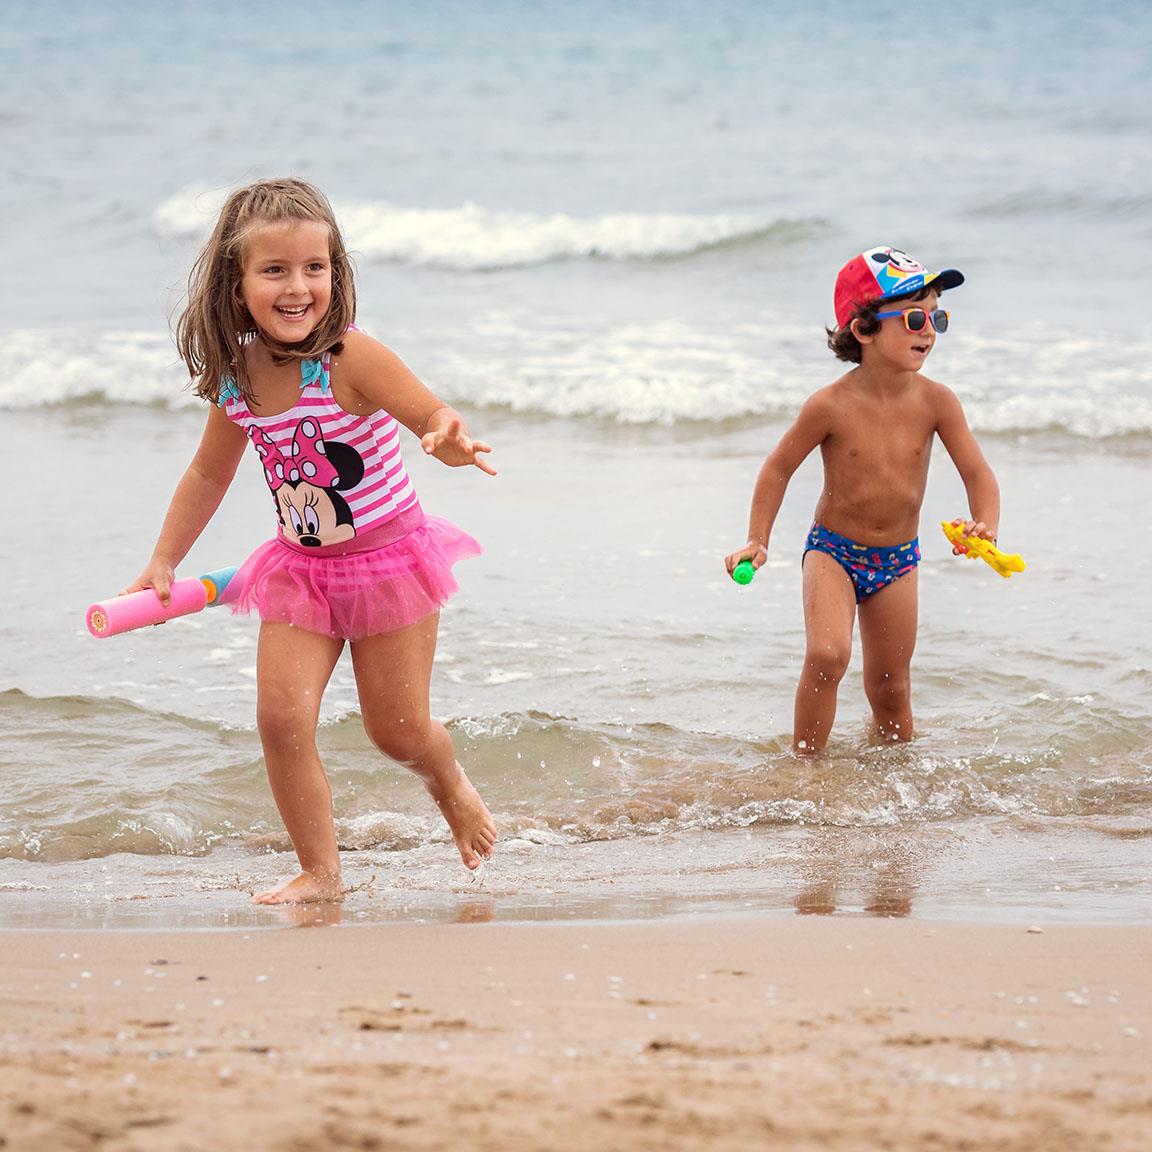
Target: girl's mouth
<point>292,313</point>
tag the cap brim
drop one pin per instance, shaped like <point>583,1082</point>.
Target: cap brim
<point>948,278</point>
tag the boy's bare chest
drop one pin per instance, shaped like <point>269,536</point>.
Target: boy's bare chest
<point>872,436</point>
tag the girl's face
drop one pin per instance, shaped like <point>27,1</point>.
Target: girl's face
<point>287,279</point>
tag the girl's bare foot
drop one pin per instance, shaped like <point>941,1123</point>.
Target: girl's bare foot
<point>307,888</point>
<point>468,817</point>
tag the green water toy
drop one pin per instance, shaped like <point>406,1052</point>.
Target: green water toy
<point>744,572</point>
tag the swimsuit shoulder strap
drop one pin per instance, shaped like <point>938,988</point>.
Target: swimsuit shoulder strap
<point>316,371</point>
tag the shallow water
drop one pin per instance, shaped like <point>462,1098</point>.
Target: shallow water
<point>623,706</point>
<point>609,234</point>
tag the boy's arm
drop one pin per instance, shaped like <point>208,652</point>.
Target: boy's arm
<point>195,500</point>
<point>976,473</point>
<point>810,429</point>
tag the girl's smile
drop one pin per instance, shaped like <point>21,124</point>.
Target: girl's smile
<point>287,280</point>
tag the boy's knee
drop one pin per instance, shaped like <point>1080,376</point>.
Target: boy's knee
<point>828,663</point>
<point>888,689</point>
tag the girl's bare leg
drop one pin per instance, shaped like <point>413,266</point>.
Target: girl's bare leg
<point>393,673</point>
<point>888,636</point>
<point>829,611</point>
<point>292,670</point>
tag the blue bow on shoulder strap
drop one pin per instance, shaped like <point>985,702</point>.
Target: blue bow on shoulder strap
<point>313,372</point>
<point>228,391</point>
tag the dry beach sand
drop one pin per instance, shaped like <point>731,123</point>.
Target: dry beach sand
<point>719,1033</point>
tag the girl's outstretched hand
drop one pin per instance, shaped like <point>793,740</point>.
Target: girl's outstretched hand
<point>757,553</point>
<point>158,576</point>
<point>451,445</point>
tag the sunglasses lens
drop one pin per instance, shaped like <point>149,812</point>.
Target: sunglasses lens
<point>940,320</point>
<point>915,319</point>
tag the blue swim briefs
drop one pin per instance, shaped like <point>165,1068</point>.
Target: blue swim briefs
<point>869,569</point>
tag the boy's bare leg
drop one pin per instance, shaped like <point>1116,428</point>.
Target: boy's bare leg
<point>393,672</point>
<point>292,670</point>
<point>888,636</point>
<point>829,611</point>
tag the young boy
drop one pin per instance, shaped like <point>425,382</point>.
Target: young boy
<point>874,427</point>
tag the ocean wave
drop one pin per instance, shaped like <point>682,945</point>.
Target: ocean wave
<point>1040,202</point>
<point>474,239</point>
<point>660,372</point>
<point>88,778</point>
<point>64,368</point>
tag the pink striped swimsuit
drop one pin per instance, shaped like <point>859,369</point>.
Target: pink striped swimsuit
<point>334,475</point>
<point>354,555</point>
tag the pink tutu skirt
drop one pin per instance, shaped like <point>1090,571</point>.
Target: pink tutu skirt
<point>379,582</point>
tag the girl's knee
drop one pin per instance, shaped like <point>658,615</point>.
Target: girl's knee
<point>282,732</point>
<point>406,742</point>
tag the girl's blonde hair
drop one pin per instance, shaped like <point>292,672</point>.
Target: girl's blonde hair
<point>215,325</point>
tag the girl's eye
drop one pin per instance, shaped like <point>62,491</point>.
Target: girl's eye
<point>316,267</point>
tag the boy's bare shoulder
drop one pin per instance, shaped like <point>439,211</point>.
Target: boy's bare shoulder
<point>831,394</point>
<point>939,394</point>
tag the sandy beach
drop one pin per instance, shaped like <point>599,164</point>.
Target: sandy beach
<point>725,1032</point>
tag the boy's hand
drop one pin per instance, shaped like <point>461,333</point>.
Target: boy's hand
<point>451,445</point>
<point>973,528</point>
<point>158,576</point>
<point>757,553</point>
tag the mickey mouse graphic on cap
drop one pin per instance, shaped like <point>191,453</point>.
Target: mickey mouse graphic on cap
<point>880,274</point>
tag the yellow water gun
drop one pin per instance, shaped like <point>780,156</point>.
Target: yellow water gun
<point>977,546</point>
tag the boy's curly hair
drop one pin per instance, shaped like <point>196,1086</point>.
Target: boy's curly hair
<point>215,325</point>
<point>843,342</point>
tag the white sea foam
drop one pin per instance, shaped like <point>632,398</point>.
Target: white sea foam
<point>60,367</point>
<point>662,372</point>
<point>473,238</point>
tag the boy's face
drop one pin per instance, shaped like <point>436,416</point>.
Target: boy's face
<point>894,346</point>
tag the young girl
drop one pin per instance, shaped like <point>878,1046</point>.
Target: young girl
<point>268,336</point>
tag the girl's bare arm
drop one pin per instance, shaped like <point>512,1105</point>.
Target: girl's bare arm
<point>382,380</point>
<point>195,500</point>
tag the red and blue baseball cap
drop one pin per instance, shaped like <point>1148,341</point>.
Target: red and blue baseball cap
<point>881,273</point>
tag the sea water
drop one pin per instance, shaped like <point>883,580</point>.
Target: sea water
<point>608,232</point>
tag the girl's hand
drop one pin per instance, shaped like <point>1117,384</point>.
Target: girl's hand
<point>973,528</point>
<point>753,551</point>
<point>451,445</point>
<point>158,576</point>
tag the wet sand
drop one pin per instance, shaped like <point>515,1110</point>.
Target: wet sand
<point>715,1033</point>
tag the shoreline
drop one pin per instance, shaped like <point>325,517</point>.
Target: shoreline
<point>717,1033</point>
<point>982,872</point>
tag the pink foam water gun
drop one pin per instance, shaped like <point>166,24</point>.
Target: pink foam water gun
<point>139,609</point>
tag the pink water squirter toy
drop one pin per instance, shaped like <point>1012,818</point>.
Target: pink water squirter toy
<point>139,609</point>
